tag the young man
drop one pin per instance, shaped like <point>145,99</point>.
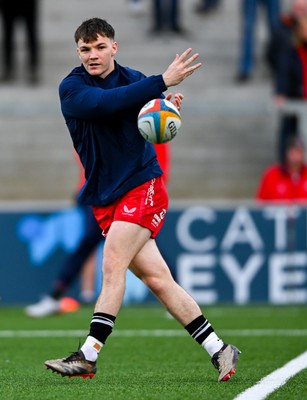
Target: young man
<point>100,101</point>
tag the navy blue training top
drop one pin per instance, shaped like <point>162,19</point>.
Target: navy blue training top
<point>101,116</point>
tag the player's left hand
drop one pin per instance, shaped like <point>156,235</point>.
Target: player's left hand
<point>176,100</point>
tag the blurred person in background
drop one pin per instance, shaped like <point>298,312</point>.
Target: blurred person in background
<point>286,181</point>
<point>82,258</point>
<point>288,55</point>
<point>206,7</point>
<point>166,16</point>
<point>249,11</point>
<point>282,36</point>
<point>26,12</point>
<point>82,262</point>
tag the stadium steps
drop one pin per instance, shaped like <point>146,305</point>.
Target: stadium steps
<point>228,133</point>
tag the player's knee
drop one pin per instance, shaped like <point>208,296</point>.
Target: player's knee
<point>156,284</point>
<point>112,269</point>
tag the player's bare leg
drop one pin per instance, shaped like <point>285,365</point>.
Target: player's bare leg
<point>151,268</point>
<point>123,242</point>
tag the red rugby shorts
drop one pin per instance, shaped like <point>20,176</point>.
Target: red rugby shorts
<point>145,205</point>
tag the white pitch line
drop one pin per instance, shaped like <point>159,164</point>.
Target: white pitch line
<point>275,380</point>
<point>264,332</point>
<point>153,333</point>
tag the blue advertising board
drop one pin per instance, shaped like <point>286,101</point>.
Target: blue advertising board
<point>235,255</point>
<point>239,255</point>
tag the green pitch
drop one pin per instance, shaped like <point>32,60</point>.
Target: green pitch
<point>149,356</point>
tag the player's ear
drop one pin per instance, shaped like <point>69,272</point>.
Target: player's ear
<point>114,48</point>
<point>78,53</point>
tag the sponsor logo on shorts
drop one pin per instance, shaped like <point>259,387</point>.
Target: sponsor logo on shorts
<point>150,193</point>
<point>158,218</point>
<point>128,211</point>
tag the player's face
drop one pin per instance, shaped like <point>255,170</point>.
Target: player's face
<point>98,57</point>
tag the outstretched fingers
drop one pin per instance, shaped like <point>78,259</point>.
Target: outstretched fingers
<point>186,62</point>
<point>190,61</point>
<point>184,55</point>
<point>193,68</point>
<point>182,66</point>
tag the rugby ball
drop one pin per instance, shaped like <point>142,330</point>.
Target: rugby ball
<point>159,121</point>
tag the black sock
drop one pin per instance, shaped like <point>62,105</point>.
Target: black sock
<point>58,291</point>
<point>101,326</point>
<point>200,328</point>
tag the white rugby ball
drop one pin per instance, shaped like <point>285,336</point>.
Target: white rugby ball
<point>159,121</point>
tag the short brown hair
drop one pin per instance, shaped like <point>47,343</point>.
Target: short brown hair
<point>89,30</point>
